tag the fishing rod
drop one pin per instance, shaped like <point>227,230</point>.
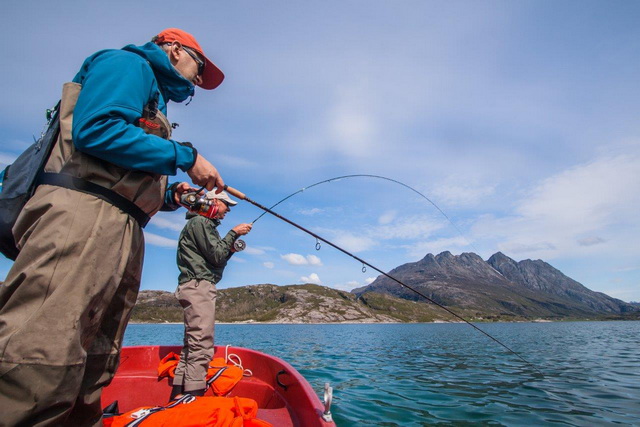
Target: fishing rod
<point>338,178</point>
<point>242,196</point>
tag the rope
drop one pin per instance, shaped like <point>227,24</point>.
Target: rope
<point>238,362</point>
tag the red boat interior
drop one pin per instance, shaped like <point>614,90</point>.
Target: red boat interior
<point>284,397</point>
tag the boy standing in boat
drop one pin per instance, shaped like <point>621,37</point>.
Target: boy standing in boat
<point>202,257</point>
<point>67,299</point>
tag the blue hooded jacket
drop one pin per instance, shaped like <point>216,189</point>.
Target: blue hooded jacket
<point>116,86</point>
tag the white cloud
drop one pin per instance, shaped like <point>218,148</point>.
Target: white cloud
<point>599,200</point>
<point>349,286</point>
<point>626,269</point>
<point>420,249</point>
<point>297,259</point>
<point>351,122</point>
<point>625,294</point>
<point>250,250</point>
<point>294,259</point>
<point>590,241</point>
<point>352,129</point>
<point>387,217</point>
<point>409,228</point>
<point>462,194</point>
<point>312,211</point>
<point>312,278</point>
<point>588,196</point>
<point>519,248</point>
<point>156,240</point>
<point>233,161</point>
<point>174,221</point>
<point>268,265</point>
<point>353,243</point>
<point>314,260</point>
<point>353,284</point>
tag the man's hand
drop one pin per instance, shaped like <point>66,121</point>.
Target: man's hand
<point>183,187</point>
<point>242,229</point>
<point>203,173</point>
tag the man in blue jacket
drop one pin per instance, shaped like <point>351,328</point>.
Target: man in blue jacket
<point>67,299</point>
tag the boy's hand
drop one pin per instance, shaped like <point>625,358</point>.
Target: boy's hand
<point>242,229</point>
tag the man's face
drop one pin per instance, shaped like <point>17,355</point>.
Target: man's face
<point>187,62</point>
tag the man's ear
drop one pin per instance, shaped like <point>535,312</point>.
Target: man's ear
<point>175,52</point>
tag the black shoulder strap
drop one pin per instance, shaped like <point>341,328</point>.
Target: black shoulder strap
<point>79,184</point>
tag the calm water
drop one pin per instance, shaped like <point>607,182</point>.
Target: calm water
<point>423,374</point>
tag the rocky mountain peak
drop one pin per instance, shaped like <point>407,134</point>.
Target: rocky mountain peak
<point>508,286</point>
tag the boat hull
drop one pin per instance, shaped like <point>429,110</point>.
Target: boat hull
<point>284,397</point>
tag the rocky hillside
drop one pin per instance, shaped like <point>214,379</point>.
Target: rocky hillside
<point>499,286</point>
<point>291,304</point>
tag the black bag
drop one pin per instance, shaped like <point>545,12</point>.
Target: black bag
<point>20,181</point>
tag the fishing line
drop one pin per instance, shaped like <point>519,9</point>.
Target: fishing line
<point>242,196</point>
<point>338,178</point>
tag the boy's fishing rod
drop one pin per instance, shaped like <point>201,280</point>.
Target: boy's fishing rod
<point>242,196</point>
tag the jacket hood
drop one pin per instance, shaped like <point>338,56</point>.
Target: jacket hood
<point>172,84</point>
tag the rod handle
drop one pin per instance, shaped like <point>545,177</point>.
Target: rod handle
<point>234,192</point>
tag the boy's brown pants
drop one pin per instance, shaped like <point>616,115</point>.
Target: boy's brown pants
<point>198,299</point>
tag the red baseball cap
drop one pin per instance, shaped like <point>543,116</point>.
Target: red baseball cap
<point>212,75</point>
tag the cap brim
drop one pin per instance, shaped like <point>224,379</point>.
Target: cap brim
<point>212,75</point>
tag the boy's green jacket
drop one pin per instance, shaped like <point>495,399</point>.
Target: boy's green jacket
<point>202,254</point>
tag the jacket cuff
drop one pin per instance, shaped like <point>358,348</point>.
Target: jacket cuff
<point>231,236</point>
<point>169,200</point>
<point>186,155</point>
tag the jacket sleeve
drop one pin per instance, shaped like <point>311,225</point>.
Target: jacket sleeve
<point>169,201</point>
<point>215,250</point>
<point>116,86</point>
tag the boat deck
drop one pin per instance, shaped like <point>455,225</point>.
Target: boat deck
<point>284,397</point>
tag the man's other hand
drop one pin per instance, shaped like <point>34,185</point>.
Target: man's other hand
<point>183,187</point>
<point>203,173</point>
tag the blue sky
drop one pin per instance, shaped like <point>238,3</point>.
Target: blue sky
<point>518,119</point>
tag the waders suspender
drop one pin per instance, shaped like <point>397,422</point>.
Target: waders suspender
<point>110,196</point>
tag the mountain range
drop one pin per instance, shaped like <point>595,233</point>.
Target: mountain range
<point>499,285</point>
<point>496,289</point>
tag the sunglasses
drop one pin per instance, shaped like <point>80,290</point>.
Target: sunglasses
<point>200,63</point>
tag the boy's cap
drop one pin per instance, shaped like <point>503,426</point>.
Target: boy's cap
<point>222,196</point>
<point>212,75</point>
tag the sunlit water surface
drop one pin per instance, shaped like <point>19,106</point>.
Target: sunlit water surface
<point>423,374</point>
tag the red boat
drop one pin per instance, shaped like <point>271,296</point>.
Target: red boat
<point>284,397</point>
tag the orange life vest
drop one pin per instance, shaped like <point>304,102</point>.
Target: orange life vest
<point>221,376</point>
<point>190,411</point>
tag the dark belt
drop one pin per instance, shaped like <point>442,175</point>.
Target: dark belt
<point>79,184</point>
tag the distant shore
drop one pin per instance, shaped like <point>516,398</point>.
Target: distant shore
<point>376,323</point>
